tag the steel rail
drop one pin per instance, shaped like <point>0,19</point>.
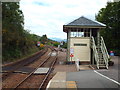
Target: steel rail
<point>32,72</point>
<point>4,77</point>
<point>41,85</point>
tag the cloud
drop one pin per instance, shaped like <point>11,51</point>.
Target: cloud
<point>49,16</point>
<point>40,3</point>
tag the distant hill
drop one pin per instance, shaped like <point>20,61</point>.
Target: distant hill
<point>58,39</point>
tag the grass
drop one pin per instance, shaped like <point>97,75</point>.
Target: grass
<point>20,56</point>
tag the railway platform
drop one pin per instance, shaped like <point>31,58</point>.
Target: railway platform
<point>86,77</point>
<point>60,78</point>
<point>81,79</point>
<point>59,81</point>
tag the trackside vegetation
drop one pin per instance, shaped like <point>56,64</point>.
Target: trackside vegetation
<point>110,15</point>
<point>16,41</point>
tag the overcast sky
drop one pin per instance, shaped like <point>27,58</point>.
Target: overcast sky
<point>49,16</point>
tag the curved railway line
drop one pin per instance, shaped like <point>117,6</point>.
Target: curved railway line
<point>30,80</point>
<point>14,66</point>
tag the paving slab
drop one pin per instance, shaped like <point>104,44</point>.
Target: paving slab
<point>85,67</point>
<point>58,81</point>
<point>60,76</point>
<point>57,85</point>
<point>41,70</point>
<point>90,79</point>
<point>65,68</point>
<point>53,54</point>
<point>71,84</point>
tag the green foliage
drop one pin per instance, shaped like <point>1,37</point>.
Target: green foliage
<point>64,45</point>
<point>56,44</point>
<point>50,44</point>
<point>44,39</point>
<point>110,15</point>
<point>16,42</point>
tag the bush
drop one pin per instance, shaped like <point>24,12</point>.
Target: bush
<point>56,44</point>
<point>110,63</point>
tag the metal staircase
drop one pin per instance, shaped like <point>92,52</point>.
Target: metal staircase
<point>100,53</point>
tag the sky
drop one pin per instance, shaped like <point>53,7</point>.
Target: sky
<point>48,16</point>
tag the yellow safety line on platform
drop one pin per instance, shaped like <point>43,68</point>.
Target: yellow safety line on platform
<point>71,84</point>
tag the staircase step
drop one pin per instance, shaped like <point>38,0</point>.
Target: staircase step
<point>101,58</point>
<point>100,55</point>
<point>101,61</point>
<point>102,65</point>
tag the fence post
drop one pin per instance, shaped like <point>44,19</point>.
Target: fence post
<point>77,64</point>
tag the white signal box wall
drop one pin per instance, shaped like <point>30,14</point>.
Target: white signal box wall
<point>81,48</point>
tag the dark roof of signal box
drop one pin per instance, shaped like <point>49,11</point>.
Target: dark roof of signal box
<point>85,22</point>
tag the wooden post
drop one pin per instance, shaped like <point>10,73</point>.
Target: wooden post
<point>98,39</point>
<point>90,32</point>
<point>68,45</point>
<point>93,59</point>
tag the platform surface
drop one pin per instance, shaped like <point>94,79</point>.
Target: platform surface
<point>84,67</point>
<point>41,70</point>
<point>71,84</point>
<point>58,81</point>
<point>60,76</point>
<point>90,79</point>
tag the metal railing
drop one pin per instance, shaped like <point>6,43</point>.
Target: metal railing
<point>106,56</point>
<point>95,52</point>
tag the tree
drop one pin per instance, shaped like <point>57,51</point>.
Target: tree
<point>12,28</point>
<point>44,39</point>
<point>64,45</point>
<point>16,42</point>
<point>110,15</point>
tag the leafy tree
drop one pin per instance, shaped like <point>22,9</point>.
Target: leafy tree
<point>44,39</point>
<point>16,42</point>
<point>64,45</point>
<point>110,15</point>
<point>56,44</point>
<point>12,28</point>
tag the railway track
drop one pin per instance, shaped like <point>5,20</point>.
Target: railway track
<point>31,82</point>
<point>12,67</point>
<point>48,62</point>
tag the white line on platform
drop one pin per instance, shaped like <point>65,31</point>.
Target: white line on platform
<point>107,77</point>
<point>48,85</point>
<point>58,81</point>
<point>49,53</point>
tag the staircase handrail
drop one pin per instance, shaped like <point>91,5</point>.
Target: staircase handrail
<point>105,52</point>
<point>95,52</point>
